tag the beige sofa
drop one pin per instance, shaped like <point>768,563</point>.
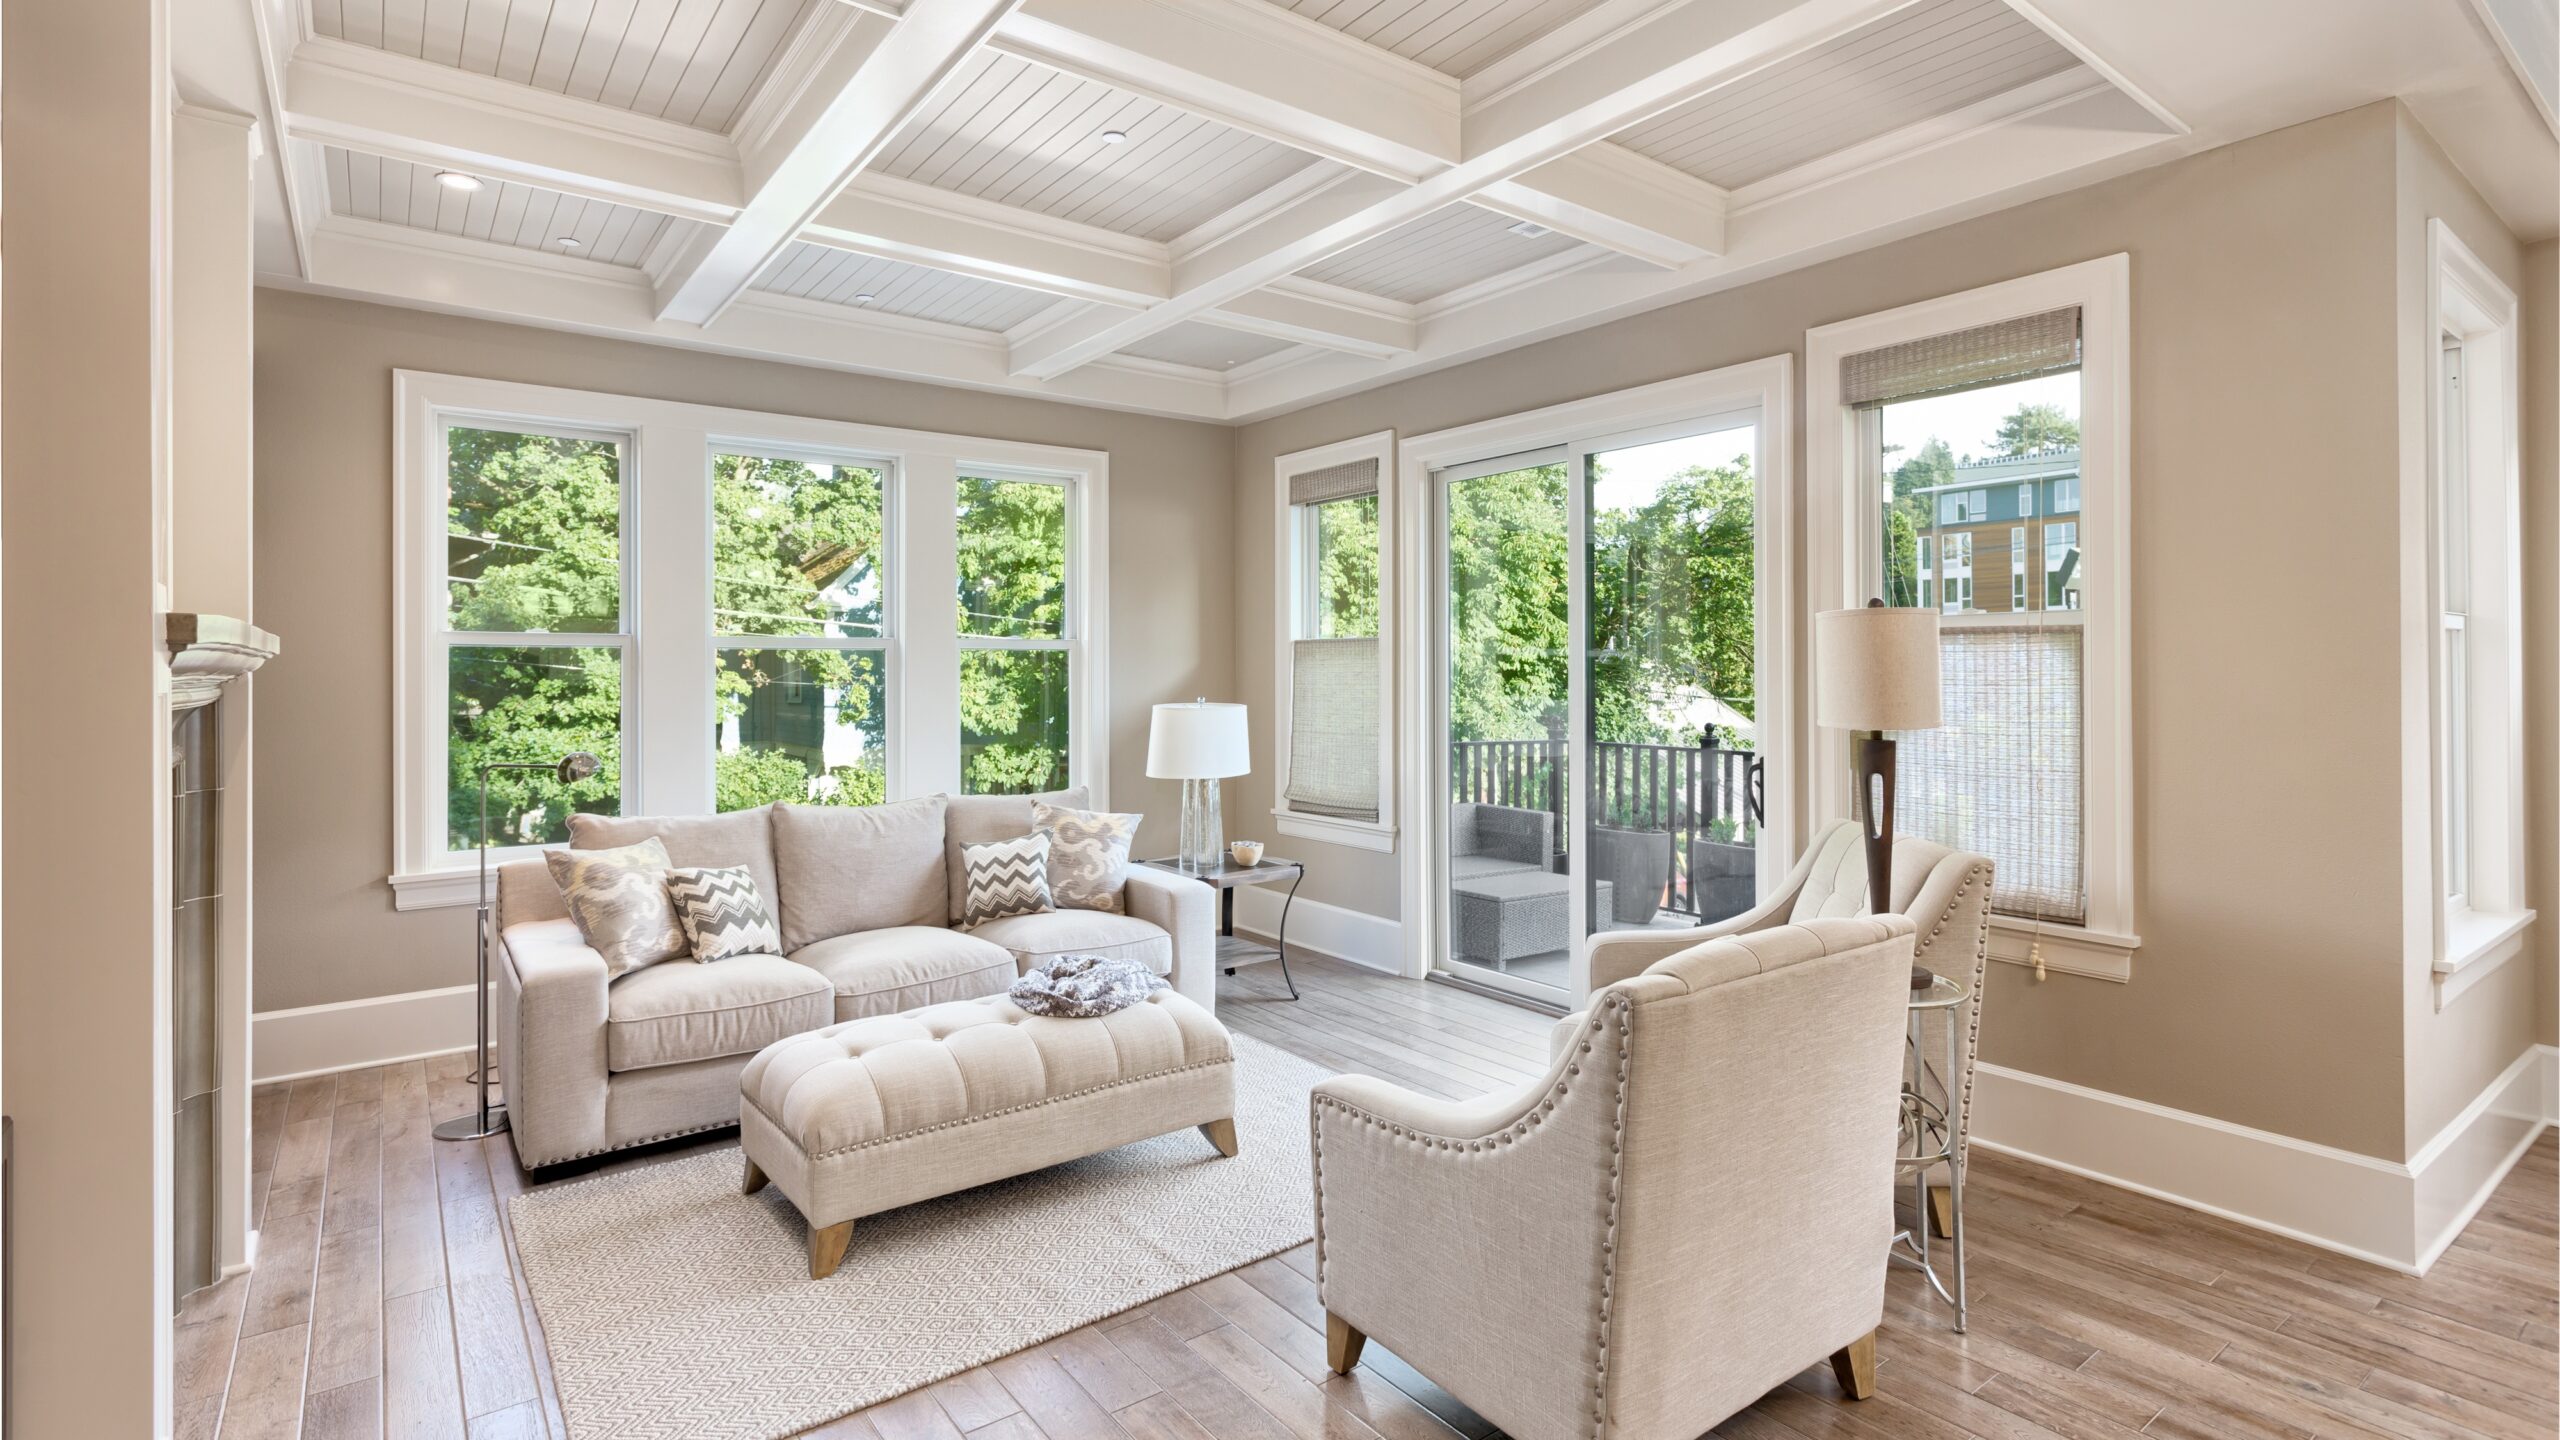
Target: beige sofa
<point>1692,1206</point>
<point>866,898</point>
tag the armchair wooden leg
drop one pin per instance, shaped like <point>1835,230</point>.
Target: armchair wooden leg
<point>1942,1221</point>
<point>754,1180</point>
<point>1342,1344</point>
<point>1222,1133</point>
<point>1855,1366</point>
<point>826,1248</point>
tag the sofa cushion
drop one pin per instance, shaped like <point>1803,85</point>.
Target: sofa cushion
<point>977,819</point>
<point>848,868</point>
<point>683,1010</point>
<point>881,972</point>
<point>1034,938</point>
<point>741,837</point>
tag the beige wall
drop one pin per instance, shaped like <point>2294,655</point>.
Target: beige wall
<point>326,927</point>
<point>2541,380</point>
<point>2264,344</point>
<point>2452,1054</point>
<point>84,808</point>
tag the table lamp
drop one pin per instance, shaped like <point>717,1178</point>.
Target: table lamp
<point>1875,669</point>
<point>1199,743</point>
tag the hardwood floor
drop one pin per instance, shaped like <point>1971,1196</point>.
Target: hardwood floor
<point>387,1301</point>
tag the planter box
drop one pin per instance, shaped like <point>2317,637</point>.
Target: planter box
<point>1723,877</point>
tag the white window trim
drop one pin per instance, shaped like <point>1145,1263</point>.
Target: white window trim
<point>1764,391</point>
<point>667,584</point>
<point>1842,554</point>
<point>1294,605</point>
<point>2472,935</point>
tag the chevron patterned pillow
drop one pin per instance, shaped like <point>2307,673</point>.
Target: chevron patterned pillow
<point>1006,877</point>
<point>723,912</point>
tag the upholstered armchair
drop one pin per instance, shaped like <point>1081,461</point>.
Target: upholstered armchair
<point>1947,894</point>
<point>1692,1206</point>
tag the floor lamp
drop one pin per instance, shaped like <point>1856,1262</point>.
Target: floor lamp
<point>490,1119</point>
<point>1876,669</point>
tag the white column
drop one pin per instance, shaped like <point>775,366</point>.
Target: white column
<point>212,540</point>
<point>924,659</point>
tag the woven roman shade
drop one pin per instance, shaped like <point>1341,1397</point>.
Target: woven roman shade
<point>1333,728</point>
<point>2002,775</point>
<point>1335,482</point>
<point>1992,354</point>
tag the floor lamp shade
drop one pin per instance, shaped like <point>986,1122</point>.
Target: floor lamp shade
<point>1199,743</point>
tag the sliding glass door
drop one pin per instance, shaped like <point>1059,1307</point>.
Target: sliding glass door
<point>1597,623</point>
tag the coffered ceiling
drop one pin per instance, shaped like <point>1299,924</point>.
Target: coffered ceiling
<point>1227,208</point>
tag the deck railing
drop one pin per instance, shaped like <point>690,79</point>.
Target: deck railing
<point>1682,790</point>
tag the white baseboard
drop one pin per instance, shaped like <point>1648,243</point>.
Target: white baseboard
<point>352,1034</point>
<point>1344,934</point>
<point>2397,1215</point>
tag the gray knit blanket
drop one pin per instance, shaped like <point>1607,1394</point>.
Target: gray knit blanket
<point>1083,986</point>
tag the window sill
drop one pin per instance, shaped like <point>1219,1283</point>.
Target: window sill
<point>1356,834</point>
<point>2067,949</point>
<point>437,889</point>
<point>2475,946</point>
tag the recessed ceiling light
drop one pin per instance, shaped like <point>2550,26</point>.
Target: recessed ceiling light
<point>862,299</point>
<point>456,180</point>
<point>1115,137</point>
<point>569,242</point>
<point>1530,228</point>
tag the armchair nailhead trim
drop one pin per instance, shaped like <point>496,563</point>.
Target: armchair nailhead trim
<point>1613,1009</point>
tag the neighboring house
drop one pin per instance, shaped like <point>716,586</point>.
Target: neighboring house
<point>2003,531</point>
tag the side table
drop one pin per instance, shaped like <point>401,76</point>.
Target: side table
<point>1928,1140</point>
<point>1227,877</point>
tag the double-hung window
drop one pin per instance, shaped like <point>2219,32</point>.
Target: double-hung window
<point>2476,758</point>
<point>1331,537</point>
<point>728,609</point>
<point>1918,420</point>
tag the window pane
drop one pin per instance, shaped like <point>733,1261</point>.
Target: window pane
<point>533,705</point>
<point>1989,481</point>
<point>1013,721</point>
<point>795,547</point>
<point>807,726</point>
<point>1346,569</point>
<point>533,532</point>
<point>1013,559</point>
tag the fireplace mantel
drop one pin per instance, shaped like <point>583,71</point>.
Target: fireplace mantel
<point>206,652</point>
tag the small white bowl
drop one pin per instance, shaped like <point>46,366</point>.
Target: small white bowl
<point>1245,852</point>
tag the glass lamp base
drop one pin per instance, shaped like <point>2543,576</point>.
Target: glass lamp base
<point>1204,839</point>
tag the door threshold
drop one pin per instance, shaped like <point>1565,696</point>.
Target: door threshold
<point>1495,992</point>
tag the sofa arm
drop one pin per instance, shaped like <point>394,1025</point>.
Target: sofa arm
<point>1410,1189</point>
<point>1618,954</point>
<point>553,1001</point>
<point>1187,910</point>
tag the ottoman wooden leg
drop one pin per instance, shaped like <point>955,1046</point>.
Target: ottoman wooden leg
<point>1342,1344</point>
<point>826,1248</point>
<point>1222,1133</point>
<point>754,1180</point>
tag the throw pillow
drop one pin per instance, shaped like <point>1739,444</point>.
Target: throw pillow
<point>619,899</point>
<point>1088,855</point>
<point>1006,877</point>
<point>723,912</point>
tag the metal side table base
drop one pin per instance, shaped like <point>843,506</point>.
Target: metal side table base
<point>1928,1140</point>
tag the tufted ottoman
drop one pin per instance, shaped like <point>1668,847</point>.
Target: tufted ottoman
<point>873,1114</point>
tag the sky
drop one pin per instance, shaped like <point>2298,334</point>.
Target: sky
<point>1968,419</point>
<point>1632,476</point>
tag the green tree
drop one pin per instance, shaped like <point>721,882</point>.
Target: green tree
<point>1013,568</point>
<point>1906,515</point>
<point>2034,427</point>
<point>1347,567</point>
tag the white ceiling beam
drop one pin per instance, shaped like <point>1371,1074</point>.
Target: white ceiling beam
<point>872,78</point>
<point>1676,52</point>
<point>902,220</point>
<point>379,103</point>
<point>1276,74</point>
<point>1309,312</point>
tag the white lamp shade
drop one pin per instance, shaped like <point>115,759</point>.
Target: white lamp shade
<point>1876,669</point>
<point>1198,740</point>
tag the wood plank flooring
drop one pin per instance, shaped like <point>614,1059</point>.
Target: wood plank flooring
<point>387,1300</point>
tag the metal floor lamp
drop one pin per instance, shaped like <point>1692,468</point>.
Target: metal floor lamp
<point>490,1119</point>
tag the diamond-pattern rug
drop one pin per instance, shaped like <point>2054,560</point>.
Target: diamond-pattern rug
<point>677,1307</point>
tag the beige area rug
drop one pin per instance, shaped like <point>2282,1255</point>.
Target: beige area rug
<point>676,1307</point>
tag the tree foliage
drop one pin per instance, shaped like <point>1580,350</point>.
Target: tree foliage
<point>2034,427</point>
<point>1013,568</point>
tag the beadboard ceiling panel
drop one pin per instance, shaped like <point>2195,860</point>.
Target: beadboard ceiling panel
<point>1932,58</point>
<point>840,277</point>
<point>1208,347</point>
<point>1437,254</point>
<point>1455,37</point>
<point>396,192</point>
<point>1022,134</point>
<point>691,61</point>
